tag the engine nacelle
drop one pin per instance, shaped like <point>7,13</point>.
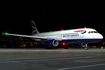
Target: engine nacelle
<point>52,43</point>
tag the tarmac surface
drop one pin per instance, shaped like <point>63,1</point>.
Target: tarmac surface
<point>52,59</point>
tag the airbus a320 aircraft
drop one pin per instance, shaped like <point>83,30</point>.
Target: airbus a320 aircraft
<point>54,38</point>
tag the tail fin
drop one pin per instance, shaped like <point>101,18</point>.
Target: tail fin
<point>34,28</point>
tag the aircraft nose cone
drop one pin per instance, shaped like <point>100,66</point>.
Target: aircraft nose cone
<point>99,36</point>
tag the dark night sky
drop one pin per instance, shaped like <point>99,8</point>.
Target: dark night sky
<point>15,18</point>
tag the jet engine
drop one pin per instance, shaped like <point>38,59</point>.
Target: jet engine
<point>52,42</point>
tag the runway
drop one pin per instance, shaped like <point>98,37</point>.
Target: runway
<point>52,59</point>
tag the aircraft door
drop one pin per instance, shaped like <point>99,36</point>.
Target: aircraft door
<point>81,35</point>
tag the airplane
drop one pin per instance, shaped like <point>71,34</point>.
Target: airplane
<point>52,39</point>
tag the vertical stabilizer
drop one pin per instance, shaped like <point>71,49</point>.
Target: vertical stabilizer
<point>34,28</point>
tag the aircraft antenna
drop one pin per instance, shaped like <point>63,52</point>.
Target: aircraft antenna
<point>85,27</point>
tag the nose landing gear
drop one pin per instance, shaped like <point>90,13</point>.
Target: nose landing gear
<point>85,46</point>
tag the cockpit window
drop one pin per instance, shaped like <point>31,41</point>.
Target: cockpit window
<point>92,32</point>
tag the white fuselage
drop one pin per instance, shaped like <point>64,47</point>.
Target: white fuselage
<point>74,35</point>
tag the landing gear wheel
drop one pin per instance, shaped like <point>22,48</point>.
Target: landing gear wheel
<point>86,46</point>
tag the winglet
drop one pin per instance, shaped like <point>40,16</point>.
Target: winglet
<point>2,33</point>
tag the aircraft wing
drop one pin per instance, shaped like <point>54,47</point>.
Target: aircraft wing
<point>31,36</point>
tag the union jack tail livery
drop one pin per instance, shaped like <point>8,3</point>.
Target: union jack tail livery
<point>34,28</point>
